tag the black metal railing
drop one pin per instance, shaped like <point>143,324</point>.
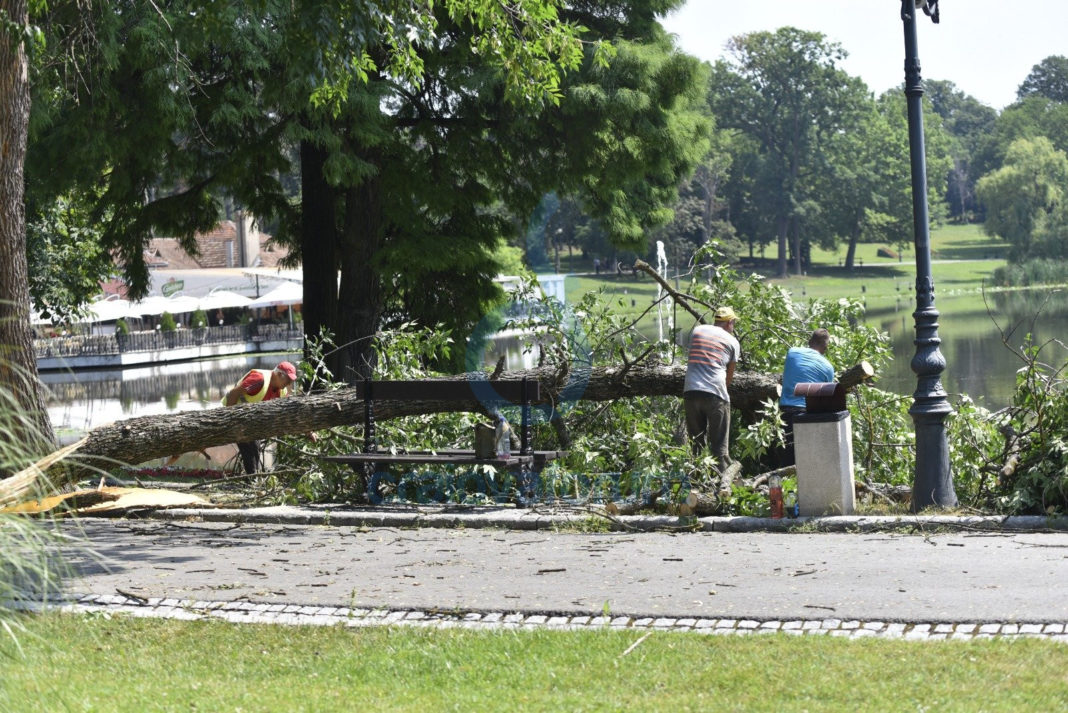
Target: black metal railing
<point>76,345</point>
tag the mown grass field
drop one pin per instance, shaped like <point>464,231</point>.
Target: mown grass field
<point>118,665</point>
<point>964,259</point>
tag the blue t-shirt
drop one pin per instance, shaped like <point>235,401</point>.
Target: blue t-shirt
<point>803,365</point>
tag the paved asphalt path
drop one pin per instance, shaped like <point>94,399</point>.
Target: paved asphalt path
<point>956,577</point>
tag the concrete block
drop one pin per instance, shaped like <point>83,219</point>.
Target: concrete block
<point>824,457</point>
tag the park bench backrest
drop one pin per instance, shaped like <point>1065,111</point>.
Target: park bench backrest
<point>490,394</point>
<point>483,390</point>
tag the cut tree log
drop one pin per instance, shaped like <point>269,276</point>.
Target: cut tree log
<point>898,494</point>
<point>633,507</point>
<point>855,375</point>
<point>144,438</point>
<point>630,507</point>
<point>702,504</point>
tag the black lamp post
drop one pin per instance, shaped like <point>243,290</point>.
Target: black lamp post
<point>933,482</point>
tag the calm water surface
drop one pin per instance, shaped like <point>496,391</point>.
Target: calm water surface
<point>80,401</point>
<point>981,341</point>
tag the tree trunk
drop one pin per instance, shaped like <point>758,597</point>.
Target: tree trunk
<point>318,244</point>
<point>137,440</point>
<point>18,363</point>
<point>783,224</point>
<point>851,251</point>
<point>361,300</point>
<point>795,239</point>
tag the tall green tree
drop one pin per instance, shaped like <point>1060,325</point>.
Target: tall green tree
<point>618,141</point>
<point>1048,78</point>
<point>421,138</point>
<point>861,181</point>
<point>1027,200</point>
<point>18,366</point>
<point>175,103</point>
<point>866,189</point>
<point>701,213</point>
<point>970,123</point>
<point>785,90</point>
<point>1028,119</point>
<point>751,177</point>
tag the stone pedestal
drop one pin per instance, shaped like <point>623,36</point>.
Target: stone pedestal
<point>823,446</point>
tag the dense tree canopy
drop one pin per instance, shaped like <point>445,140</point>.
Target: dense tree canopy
<point>1026,200</point>
<point>1048,78</point>
<point>419,142</point>
<point>970,123</point>
<point>785,91</point>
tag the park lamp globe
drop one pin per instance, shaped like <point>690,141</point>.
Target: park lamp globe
<point>933,482</point>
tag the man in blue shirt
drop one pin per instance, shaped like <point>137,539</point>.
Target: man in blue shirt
<point>803,365</point>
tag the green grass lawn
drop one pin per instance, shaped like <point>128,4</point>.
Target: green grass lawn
<point>117,664</point>
<point>964,259</point>
<point>948,242</point>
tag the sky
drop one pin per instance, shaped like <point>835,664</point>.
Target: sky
<point>985,47</point>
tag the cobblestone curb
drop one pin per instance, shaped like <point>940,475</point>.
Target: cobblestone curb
<point>544,518</point>
<point>297,615</point>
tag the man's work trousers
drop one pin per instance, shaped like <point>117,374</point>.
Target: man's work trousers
<point>250,456</point>
<point>708,422</point>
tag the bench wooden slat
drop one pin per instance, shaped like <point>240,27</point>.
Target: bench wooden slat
<point>430,459</point>
<point>448,456</point>
<point>484,390</point>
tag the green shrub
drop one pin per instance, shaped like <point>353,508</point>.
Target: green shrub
<point>121,327</point>
<point>167,323</point>
<point>1032,272</point>
<point>1029,460</point>
<point>199,319</point>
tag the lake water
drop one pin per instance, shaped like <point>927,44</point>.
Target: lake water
<point>80,401</point>
<point>978,362</point>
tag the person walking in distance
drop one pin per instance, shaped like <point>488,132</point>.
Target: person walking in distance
<point>713,353</point>
<point>255,386</point>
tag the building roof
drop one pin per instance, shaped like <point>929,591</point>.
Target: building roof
<point>217,248</point>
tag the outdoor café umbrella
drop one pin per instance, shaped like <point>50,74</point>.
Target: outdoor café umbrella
<point>221,299</point>
<point>109,310</point>
<point>157,304</point>
<point>286,294</point>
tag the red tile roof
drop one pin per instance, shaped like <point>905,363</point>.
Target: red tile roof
<point>218,248</point>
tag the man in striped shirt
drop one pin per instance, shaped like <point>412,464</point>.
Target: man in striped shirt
<point>709,370</point>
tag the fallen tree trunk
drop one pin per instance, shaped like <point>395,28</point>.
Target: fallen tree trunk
<point>137,440</point>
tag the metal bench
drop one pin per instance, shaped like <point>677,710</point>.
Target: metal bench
<point>480,395</point>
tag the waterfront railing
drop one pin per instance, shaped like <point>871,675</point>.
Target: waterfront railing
<point>91,345</point>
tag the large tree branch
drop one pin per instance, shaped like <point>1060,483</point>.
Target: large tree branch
<point>680,299</point>
<point>139,439</point>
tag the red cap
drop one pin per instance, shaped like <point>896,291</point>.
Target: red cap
<point>288,369</point>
